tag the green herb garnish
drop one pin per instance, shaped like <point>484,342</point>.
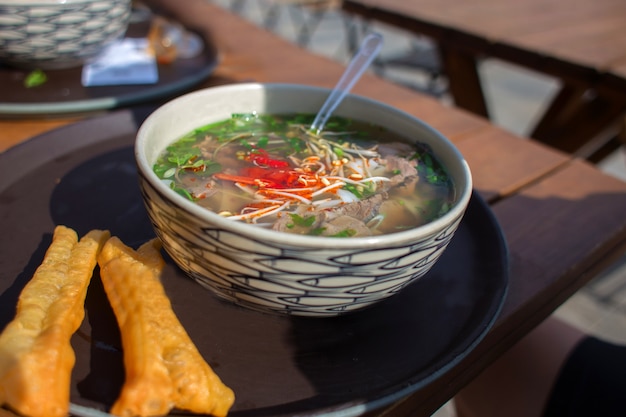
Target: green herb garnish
<point>262,142</point>
<point>298,220</point>
<point>429,168</point>
<point>35,79</point>
<point>345,233</point>
<point>318,231</point>
<point>184,155</point>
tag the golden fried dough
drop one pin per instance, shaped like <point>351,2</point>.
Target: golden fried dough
<point>163,367</point>
<point>36,358</point>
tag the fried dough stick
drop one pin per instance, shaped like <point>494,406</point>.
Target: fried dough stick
<point>36,358</point>
<point>163,366</point>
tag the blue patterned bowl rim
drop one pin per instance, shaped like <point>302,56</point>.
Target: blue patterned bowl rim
<point>46,2</point>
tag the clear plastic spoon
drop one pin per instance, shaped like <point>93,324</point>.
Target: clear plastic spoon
<point>368,50</point>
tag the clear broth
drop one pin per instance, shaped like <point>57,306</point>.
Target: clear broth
<point>354,179</point>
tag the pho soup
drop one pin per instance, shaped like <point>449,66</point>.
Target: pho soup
<point>352,179</point>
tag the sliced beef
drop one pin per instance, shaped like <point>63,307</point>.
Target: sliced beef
<point>337,218</point>
<point>343,223</point>
<point>362,210</point>
<point>403,166</point>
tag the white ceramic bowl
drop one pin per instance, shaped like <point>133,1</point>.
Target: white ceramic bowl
<point>282,272</point>
<point>56,34</point>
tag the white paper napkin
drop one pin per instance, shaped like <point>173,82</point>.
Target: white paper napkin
<point>125,62</point>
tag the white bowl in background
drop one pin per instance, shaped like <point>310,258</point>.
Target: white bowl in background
<point>57,34</point>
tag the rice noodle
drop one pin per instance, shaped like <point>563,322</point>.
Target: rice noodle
<point>327,203</point>
<point>288,195</point>
<point>371,179</point>
<point>255,215</point>
<point>358,182</point>
<point>245,188</point>
<point>376,221</point>
<point>346,196</point>
<point>332,186</point>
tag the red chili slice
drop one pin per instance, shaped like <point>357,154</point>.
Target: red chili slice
<point>279,178</point>
<point>262,158</point>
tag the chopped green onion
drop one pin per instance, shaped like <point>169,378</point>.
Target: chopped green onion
<point>35,79</point>
<point>262,142</point>
<point>345,233</point>
<point>302,221</point>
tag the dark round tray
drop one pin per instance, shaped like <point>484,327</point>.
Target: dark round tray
<point>64,94</point>
<point>84,176</point>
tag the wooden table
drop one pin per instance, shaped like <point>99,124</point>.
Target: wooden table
<point>580,43</point>
<point>562,218</point>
